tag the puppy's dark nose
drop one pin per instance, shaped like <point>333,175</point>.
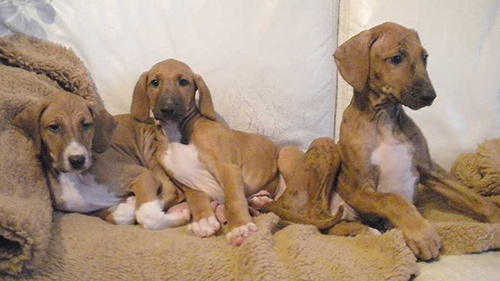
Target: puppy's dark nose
<point>77,161</point>
<point>428,97</point>
<point>167,112</point>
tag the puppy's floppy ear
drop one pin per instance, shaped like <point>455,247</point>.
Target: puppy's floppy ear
<point>140,100</point>
<point>205,104</point>
<point>28,120</point>
<point>353,59</point>
<point>104,129</point>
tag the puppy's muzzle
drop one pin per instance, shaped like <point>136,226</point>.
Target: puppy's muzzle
<point>169,108</point>
<point>428,97</point>
<point>421,94</point>
<point>76,158</point>
<point>77,162</point>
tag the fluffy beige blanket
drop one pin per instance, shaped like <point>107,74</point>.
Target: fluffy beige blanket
<point>79,247</point>
<point>87,248</point>
<point>481,170</point>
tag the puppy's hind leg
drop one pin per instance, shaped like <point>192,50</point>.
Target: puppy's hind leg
<point>309,180</point>
<point>460,196</point>
<point>288,160</point>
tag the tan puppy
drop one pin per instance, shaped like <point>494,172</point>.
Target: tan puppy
<point>66,130</point>
<point>241,163</point>
<point>384,154</point>
<point>214,163</point>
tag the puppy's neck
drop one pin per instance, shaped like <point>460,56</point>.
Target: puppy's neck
<point>181,131</point>
<point>376,104</point>
<point>186,125</point>
<point>172,131</point>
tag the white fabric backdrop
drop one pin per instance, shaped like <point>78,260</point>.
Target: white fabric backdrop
<point>268,63</point>
<point>463,40</point>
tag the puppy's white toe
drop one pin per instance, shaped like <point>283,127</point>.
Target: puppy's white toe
<point>181,211</point>
<point>237,236</point>
<point>258,200</point>
<point>131,200</point>
<point>124,213</point>
<point>186,214</point>
<point>204,227</point>
<point>151,216</point>
<point>374,231</point>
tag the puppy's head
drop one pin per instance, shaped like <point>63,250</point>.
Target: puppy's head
<point>389,60</point>
<point>169,89</point>
<point>65,128</point>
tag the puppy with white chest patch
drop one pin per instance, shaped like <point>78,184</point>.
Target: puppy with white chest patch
<point>384,154</point>
<point>223,169</point>
<point>66,130</point>
<point>208,160</point>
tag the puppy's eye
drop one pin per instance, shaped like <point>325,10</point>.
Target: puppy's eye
<point>183,82</point>
<point>55,128</point>
<point>396,59</point>
<point>424,58</point>
<point>87,125</point>
<point>155,83</point>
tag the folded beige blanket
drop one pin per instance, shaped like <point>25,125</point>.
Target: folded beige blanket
<point>87,248</point>
<point>30,70</point>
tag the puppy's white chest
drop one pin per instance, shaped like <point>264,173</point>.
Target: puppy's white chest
<point>80,193</point>
<point>397,171</point>
<point>183,164</point>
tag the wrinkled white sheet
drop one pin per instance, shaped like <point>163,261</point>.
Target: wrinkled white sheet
<point>268,63</point>
<point>463,40</point>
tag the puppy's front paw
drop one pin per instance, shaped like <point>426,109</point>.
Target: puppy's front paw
<point>151,216</point>
<point>205,227</point>
<point>423,240</point>
<point>124,213</point>
<point>237,236</point>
